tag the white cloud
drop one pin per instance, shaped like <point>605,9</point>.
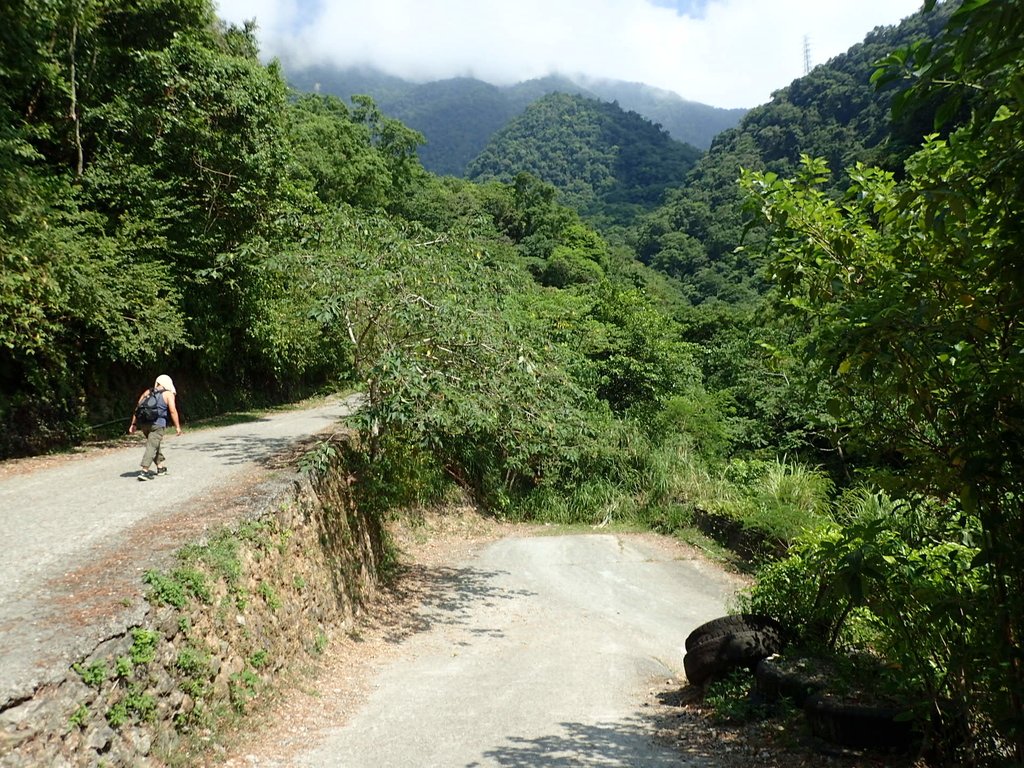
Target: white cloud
<point>734,54</point>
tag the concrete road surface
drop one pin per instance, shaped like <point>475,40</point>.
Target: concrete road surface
<point>56,521</point>
<point>541,654</point>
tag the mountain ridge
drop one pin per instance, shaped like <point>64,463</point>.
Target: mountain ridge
<point>458,116</point>
<point>605,161</point>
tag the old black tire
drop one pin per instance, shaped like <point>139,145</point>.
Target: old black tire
<point>860,726</point>
<point>726,625</point>
<point>720,653</point>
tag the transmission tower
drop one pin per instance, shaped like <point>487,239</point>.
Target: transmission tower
<point>807,54</point>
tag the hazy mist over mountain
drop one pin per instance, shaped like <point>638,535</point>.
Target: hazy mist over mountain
<point>459,115</point>
<point>726,53</point>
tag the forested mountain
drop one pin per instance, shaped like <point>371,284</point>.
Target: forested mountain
<point>605,162</point>
<point>834,112</point>
<point>687,121</point>
<point>457,117</point>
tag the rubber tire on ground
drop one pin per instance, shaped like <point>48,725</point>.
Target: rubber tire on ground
<point>726,625</point>
<point>722,653</point>
<point>773,683</point>
<point>860,726</point>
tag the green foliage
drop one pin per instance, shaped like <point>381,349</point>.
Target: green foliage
<point>134,705</point>
<point>193,664</point>
<point>79,717</point>
<point>403,474</point>
<point>639,362</point>
<point>729,699</point>
<point>242,686</point>
<point>141,144</point>
<point>605,162</point>
<point>269,595</point>
<point>914,310</point>
<point>123,667</point>
<point>177,587</point>
<point>333,154</point>
<point>434,330</point>
<point>144,642</point>
<point>93,674</point>
<point>318,458</point>
<point>394,143</point>
<point>895,581</point>
<point>795,492</point>
<point>260,659</point>
<point>219,556</point>
<point>834,112</point>
<point>910,284</point>
<point>764,506</point>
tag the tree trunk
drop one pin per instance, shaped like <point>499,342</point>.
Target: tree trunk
<point>73,113</point>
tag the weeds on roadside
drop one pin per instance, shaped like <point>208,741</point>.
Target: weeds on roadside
<point>729,699</point>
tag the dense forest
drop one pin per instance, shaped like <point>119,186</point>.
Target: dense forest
<point>809,336</point>
<point>606,163</point>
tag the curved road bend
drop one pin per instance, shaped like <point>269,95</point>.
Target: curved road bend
<point>542,651</point>
<point>58,520</point>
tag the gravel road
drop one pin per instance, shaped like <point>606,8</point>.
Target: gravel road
<point>540,651</point>
<point>58,521</point>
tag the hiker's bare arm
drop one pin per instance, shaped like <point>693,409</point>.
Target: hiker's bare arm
<point>172,409</point>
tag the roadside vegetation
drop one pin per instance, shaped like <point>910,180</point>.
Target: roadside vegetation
<point>818,366</point>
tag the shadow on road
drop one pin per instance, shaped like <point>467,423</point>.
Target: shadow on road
<point>445,596</point>
<point>240,449</point>
<point>628,742</point>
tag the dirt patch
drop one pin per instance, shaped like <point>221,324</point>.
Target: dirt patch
<point>104,586</point>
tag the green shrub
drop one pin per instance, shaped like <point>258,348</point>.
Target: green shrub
<point>143,648</point>
<point>219,555</point>
<point>701,416</point>
<point>729,700</point>
<point>177,587</point>
<point>788,484</point>
<point>787,499</point>
<point>93,674</point>
<point>789,591</point>
<point>194,666</point>
<point>899,584</point>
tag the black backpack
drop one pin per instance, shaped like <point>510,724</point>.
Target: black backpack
<point>148,411</point>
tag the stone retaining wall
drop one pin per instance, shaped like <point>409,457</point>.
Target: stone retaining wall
<point>239,609</point>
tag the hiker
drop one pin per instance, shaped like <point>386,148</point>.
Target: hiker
<point>151,414</point>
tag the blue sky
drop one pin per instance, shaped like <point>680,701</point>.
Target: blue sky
<point>728,53</point>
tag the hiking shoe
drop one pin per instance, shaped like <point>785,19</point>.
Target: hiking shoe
<point>144,476</point>
<point>161,470</point>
